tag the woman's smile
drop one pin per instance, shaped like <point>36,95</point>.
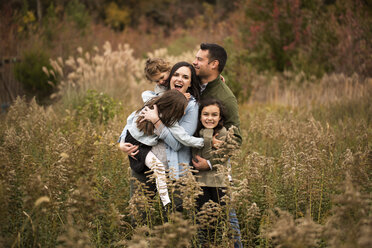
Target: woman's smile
<point>181,79</point>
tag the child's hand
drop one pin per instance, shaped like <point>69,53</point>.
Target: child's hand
<point>216,143</point>
<point>187,95</point>
<point>150,114</point>
<point>130,149</point>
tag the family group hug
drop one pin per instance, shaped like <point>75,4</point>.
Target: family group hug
<point>181,125</point>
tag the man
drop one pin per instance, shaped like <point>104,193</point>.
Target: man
<point>209,62</point>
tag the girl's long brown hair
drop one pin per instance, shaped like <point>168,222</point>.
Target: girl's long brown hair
<point>171,107</point>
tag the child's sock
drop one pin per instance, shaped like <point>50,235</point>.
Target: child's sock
<point>160,177</point>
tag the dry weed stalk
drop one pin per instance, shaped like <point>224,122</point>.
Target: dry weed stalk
<point>287,232</point>
<point>349,224</point>
<point>189,191</point>
<point>178,232</point>
<point>44,154</point>
<point>141,207</point>
<point>210,217</point>
<point>74,235</point>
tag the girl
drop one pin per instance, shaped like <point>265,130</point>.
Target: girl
<point>211,120</point>
<point>171,106</point>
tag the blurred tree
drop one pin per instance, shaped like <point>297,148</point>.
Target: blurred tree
<point>166,13</point>
<point>310,36</point>
<point>278,28</point>
<point>116,17</point>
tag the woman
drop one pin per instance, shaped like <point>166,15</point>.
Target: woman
<point>182,78</point>
<point>177,156</point>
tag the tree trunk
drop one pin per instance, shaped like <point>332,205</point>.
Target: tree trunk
<point>38,10</point>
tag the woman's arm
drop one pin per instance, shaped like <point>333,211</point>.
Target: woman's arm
<point>177,131</point>
<point>129,148</point>
<point>188,122</point>
<point>180,134</point>
<point>123,134</point>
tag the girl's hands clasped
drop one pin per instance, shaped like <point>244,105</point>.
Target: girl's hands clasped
<point>150,114</point>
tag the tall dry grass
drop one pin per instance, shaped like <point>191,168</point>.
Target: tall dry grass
<point>291,89</point>
<point>302,177</point>
<point>115,72</point>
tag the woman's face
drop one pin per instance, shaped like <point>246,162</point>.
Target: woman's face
<point>181,79</point>
<point>210,116</point>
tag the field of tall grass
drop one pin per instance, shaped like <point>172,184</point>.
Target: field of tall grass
<point>302,177</point>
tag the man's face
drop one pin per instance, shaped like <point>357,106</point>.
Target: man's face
<point>201,63</point>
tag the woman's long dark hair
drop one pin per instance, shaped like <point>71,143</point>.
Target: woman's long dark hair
<point>171,107</point>
<point>205,103</point>
<point>194,88</point>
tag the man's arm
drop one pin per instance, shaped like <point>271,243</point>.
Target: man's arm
<point>233,119</point>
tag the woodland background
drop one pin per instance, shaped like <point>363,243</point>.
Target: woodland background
<point>72,71</point>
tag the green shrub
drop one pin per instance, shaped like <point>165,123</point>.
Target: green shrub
<point>98,107</point>
<point>78,14</point>
<point>30,74</point>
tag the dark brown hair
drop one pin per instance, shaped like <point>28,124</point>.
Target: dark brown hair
<point>216,52</point>
<point>194,89</point>
<point>171,107</point>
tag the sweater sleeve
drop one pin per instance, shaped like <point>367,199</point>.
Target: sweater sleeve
<point>231,106</point>
<point>218,155</point>
<point>207,135</point>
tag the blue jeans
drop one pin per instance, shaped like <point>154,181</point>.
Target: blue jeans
<point>234,223</point>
